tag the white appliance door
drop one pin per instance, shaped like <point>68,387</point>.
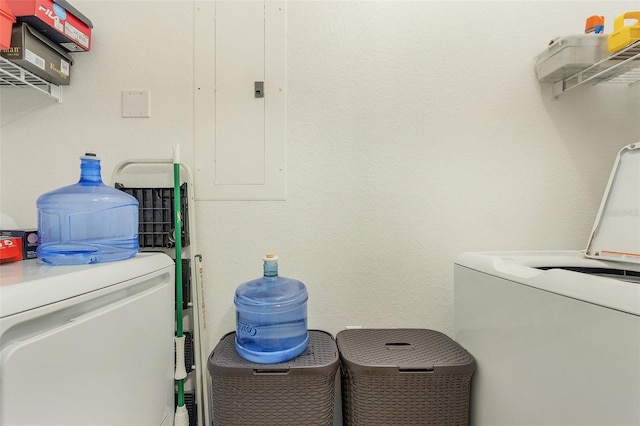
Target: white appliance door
<point>101,358</point>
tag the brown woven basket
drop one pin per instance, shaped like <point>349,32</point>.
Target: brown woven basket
<point>404,377</point>
<point>297,392</point>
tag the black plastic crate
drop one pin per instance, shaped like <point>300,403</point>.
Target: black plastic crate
<point>156,227</point>
<point>190,403</point>
<point>186,284</point>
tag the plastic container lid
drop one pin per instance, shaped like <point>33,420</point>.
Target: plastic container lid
<point>75,12</point>
<point>320,357</point>
<point>396,351</point>
<point>616,231</point>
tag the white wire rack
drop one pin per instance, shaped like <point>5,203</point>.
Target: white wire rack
<point>158,173</point>
<point>622,67</point>
<point>14,75</point>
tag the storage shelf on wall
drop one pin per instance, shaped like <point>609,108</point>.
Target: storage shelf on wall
<point>14,75</point>
<point>622,67</point>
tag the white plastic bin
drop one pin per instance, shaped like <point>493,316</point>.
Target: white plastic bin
<point>568,55</point>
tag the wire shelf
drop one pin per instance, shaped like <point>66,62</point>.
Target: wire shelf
<point>14,75</point>
<point>622,67</point>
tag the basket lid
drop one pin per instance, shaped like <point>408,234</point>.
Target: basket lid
<point>319,358</point>
<point>616,232</point>
<point>393,351</point>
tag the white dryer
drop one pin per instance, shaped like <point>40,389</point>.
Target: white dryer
<point>87,345</point>
<point>556,334</point>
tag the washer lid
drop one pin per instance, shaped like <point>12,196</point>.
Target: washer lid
<point>616,232</point>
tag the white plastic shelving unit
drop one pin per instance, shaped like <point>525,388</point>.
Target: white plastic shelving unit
<point>14,75</point>
<point>622,67</point>
<point>153,178</point>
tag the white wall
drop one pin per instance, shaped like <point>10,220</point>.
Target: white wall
<point>416,131</point>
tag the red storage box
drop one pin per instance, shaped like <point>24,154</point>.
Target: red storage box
<point>6,21</point>
<point>18,245</point>
<point>10,249</point>
<point>57,20</point>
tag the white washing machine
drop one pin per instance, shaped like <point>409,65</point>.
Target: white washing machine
<point>87,345</point>
<point>556,334</point>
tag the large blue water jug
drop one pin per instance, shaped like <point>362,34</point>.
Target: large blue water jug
<point>271,316</point>
<point>88,222</point>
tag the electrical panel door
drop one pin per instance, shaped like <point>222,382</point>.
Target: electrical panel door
<point>240,94</point>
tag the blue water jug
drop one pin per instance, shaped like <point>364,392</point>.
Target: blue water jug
<point>271,316</point>
<point>88,222</point>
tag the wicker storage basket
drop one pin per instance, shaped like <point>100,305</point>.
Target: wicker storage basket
<point>297,392</point>
<point>404,377</point>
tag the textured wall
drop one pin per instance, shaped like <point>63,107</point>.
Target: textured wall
<point>416,131</point>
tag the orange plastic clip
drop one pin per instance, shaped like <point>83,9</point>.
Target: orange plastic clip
<point>594,24</point>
